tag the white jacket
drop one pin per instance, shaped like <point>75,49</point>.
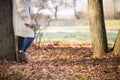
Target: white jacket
<point>21,9</point>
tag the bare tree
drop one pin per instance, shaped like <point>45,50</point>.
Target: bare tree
<point>116,9</point>
<point>7,41</point>
<point>97,28</point>
<point>66,3</point>
<point>74,7</point>
<point>108,9</point>
<point>57,4</point>
<point>114,2</point>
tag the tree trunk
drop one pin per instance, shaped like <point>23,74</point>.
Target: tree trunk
<point>117,44</point>
<point>97,28</point>
<point>7,41</point>
<point>56,10</point>
<point>75,12</point>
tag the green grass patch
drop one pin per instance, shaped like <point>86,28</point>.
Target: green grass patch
<point>112,23</point>
<point>80,32</point>
<point>80,36</point>
<point>108,23</point>
<point>86,24</point>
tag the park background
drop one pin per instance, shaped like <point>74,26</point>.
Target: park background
<point>70,20</point>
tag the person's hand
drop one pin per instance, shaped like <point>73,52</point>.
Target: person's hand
<point>29,25</point>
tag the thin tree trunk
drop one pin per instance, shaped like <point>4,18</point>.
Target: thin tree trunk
<point>114,1</point>
<point>75,12</point>
<point>56,10</point>
<point>7,41</point>
<point>117,44</point>
<point>97,28</point>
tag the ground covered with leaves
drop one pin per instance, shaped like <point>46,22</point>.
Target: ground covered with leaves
<point>62,61</point>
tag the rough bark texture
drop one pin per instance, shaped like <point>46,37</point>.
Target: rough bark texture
<point>7,45</point>
<point>117,44</point>
<point>97,27</point>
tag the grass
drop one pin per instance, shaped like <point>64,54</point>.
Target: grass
<point>112,23</point>
<point>79,33</point>
<point>68,36</point>
<point>108,23</point>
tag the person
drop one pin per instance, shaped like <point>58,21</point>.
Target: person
<point>22,28</point>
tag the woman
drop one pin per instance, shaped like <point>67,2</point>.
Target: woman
<point>22,27</point>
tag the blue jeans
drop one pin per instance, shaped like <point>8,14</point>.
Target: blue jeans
<point>24,43</point>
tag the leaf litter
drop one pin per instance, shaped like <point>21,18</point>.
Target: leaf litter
<point>62,61</point>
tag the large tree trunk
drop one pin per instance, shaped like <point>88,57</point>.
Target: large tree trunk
<point>117,44</point>
<point>7,45</point>
<point>97,28</point>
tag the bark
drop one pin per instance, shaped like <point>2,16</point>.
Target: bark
<point>7,41</point>
<point>117,44</point>
<point>97,28</point>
